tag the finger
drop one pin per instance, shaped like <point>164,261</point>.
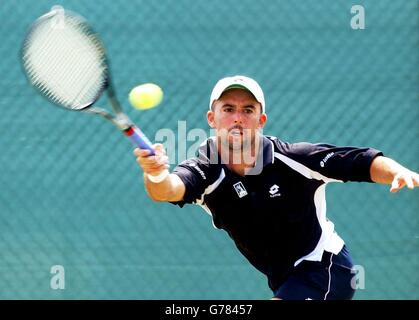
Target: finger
<point>416,179</point>
<point>160,159</point>
<point>159,148</point>
<point>136,152</point>
<point>149,162</point>
<point>141,152</point>
<point>409,181</point>
<point>163,159</point>
<point>395,185</point>
<point>156,171</point>
<point>394,189</point>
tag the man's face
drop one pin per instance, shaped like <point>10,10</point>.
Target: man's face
<point>236,116</point>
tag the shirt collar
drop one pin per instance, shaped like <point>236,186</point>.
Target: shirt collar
<point>265,156</point>
<point>208,151</point>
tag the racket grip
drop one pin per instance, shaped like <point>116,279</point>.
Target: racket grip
<point>139,139</point>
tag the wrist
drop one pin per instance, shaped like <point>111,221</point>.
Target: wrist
<point>158,178</point>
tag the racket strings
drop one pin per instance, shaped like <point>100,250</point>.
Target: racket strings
<point>66,63</point>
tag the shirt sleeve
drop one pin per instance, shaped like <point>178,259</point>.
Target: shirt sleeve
<point>339,163</point>
<point>195,176</point>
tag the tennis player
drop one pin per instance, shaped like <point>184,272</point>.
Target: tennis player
<point>269,195</point>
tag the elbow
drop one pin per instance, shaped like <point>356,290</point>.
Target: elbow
<point>375,168</point>
<point>157,197</point>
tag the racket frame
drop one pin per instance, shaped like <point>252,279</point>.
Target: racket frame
<point>119,118</point>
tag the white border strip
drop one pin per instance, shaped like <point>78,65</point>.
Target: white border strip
<point>330,277</point>
<point>208,190</point>
<point>302,169</point>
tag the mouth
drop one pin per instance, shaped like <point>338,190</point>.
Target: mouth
<point>236,132</point>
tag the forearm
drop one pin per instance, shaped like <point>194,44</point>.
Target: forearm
<point>387,171</point>
<point>170,189</point>
<point>383,170</point>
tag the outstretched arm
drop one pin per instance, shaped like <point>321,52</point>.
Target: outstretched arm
<point>387,171</point>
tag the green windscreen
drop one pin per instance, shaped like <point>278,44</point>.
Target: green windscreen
<point>72,195</point>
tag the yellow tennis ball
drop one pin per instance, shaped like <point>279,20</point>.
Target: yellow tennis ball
<point>146,96</point>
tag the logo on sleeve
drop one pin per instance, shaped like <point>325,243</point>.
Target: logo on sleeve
<point>241,191</point>
<point>197,168</point>
<point>323,162</point>
<point>274,191</point>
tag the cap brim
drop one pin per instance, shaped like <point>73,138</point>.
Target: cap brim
<point>235,86</point>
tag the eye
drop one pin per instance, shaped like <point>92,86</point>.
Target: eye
<point>227,109</point>
<point>249,110</point>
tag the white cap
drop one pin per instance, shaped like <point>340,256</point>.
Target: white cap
<point>240,82</point>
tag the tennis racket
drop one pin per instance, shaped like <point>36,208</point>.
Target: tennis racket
<point>65,60</point>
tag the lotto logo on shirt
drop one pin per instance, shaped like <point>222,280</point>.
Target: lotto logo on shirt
<point>274,191</point>
<point>241,191</point>
<point>323,162</point>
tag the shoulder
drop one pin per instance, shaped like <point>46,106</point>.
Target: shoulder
<point>205,164</point>
<point>296,148</point>
<point>200,172</point>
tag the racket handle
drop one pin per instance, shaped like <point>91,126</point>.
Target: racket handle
<point>139,139</point>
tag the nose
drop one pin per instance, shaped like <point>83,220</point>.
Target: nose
<point>237,117</point>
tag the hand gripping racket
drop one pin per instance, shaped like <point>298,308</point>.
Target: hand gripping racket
<point>66,61</point>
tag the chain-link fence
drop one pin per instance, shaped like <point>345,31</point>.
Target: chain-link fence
<point>72,195</point>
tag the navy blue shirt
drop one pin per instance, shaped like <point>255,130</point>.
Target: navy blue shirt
<point>275,214</point>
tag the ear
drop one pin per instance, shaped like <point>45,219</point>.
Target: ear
<point>262,120</point>
<point>210,118</point>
